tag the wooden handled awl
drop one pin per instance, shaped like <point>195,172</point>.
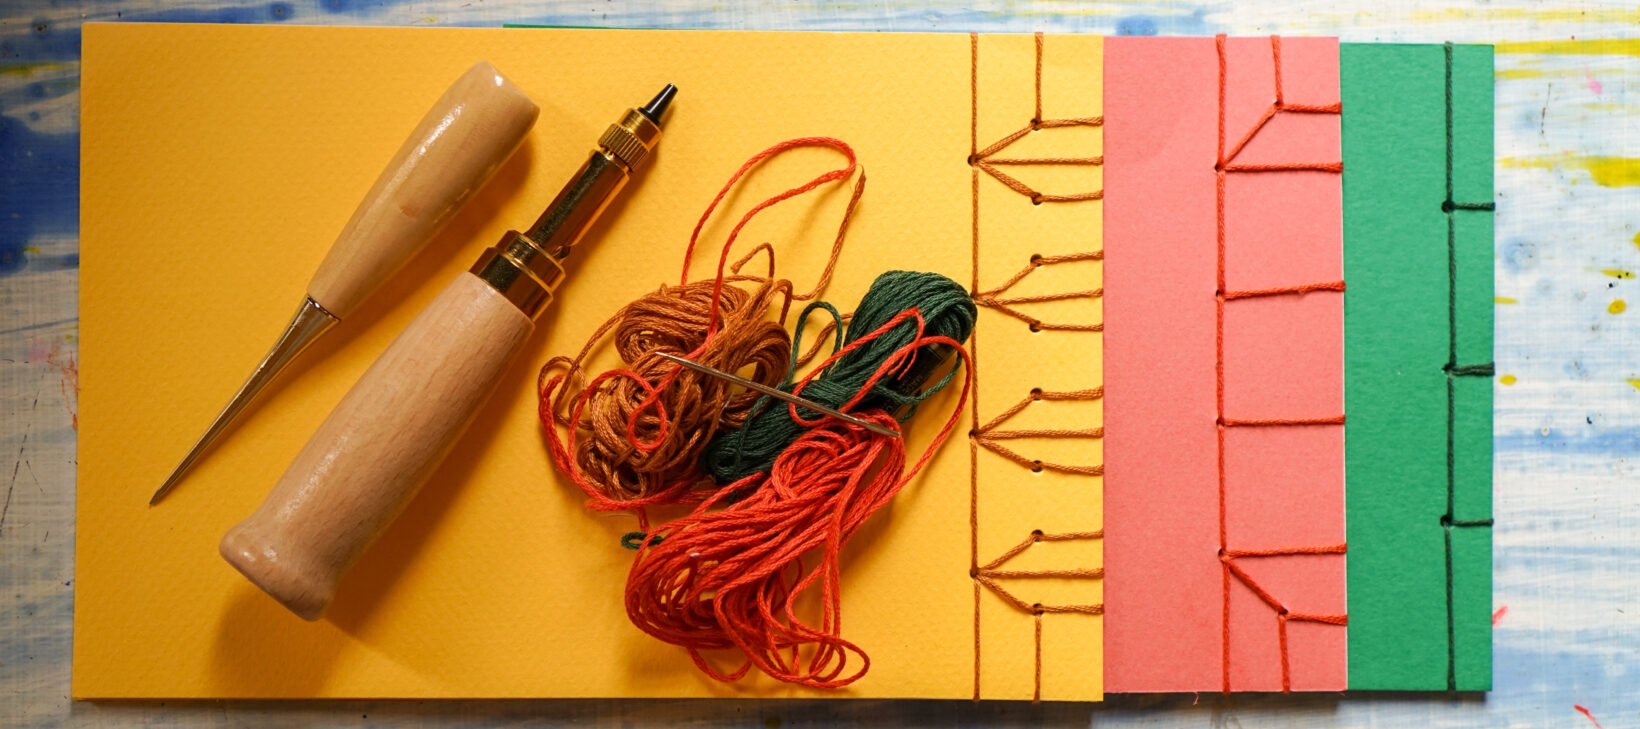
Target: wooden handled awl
<point>460,143</point>
<point>390,431</point>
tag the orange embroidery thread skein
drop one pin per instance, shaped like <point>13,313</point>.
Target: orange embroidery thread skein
<point>632,436</point>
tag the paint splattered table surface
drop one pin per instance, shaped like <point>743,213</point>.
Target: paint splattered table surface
<point>1567,389</point>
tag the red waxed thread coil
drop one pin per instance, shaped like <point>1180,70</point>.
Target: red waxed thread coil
<point>741,577</point>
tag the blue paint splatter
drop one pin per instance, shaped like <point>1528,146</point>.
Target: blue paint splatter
<point>40,42</point>
<point>1136,25</point>
<point>239,14</point>
<point>39,91</point>
<point>1613,441</point>
<point>1519,255</point>
<point>39,190</point>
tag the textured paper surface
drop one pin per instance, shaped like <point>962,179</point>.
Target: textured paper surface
<point>1170,601</point>
<point>1021,365</point>
<point>1400,339</point>
<point>219,162</point>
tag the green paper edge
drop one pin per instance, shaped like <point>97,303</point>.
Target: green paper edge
<point>1472,111</point>
<point>1396,344</point>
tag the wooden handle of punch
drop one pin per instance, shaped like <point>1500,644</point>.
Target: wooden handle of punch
<point>458,145</point>
<point>381,442</point>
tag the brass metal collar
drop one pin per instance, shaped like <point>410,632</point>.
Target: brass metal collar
<point>631,139</point>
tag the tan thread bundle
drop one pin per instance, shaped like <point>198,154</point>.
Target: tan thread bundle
<point>635,433</point>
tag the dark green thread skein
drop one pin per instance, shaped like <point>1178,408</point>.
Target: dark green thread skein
<point>947,311</point>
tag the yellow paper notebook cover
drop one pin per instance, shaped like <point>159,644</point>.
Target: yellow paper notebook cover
<point>218,164</point>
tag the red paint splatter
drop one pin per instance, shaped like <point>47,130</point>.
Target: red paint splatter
<point>1591,716</point>
<point>1502,611</point>
<point>68,381</point>
<point>70,386</point>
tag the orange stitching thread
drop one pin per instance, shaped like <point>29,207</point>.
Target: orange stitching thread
<point>1282,613</point>
<point>1093,609</point>
<point>988,434</point>
<point>1027,191</point>
<point>1096,160</point>
<point>989,574</point>
<point>990,569</point>
<point>1329,420</point>
<point>1036,118</point>
<point>994,299</point>
<point>1227,556</point>
<point>981,159</point>
<point>1289,167</point>
<point>1333,549</point>
<point>1279,290</point>
<point>1036,682</point>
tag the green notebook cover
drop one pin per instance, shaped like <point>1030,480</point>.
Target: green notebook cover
<point>1417,143</point>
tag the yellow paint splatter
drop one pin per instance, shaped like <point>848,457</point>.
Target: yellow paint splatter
<point>1637,240</point>
<point>1617,273</point>
<point>1604,106</point>
<point>1606,171</point>
<point>1554,15</point>
<point>1507,379</point>
<point>1579,73</point>
<point>1612,171</point>
<point>1505,300</point>
<point>1617,307</point>
<point>1599,47</point>
<point>1635,381</point>
<point>26,69</point>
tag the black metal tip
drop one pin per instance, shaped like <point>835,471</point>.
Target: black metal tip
<point>657,106</point>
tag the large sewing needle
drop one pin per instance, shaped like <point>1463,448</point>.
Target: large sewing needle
<point>801,402</point>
